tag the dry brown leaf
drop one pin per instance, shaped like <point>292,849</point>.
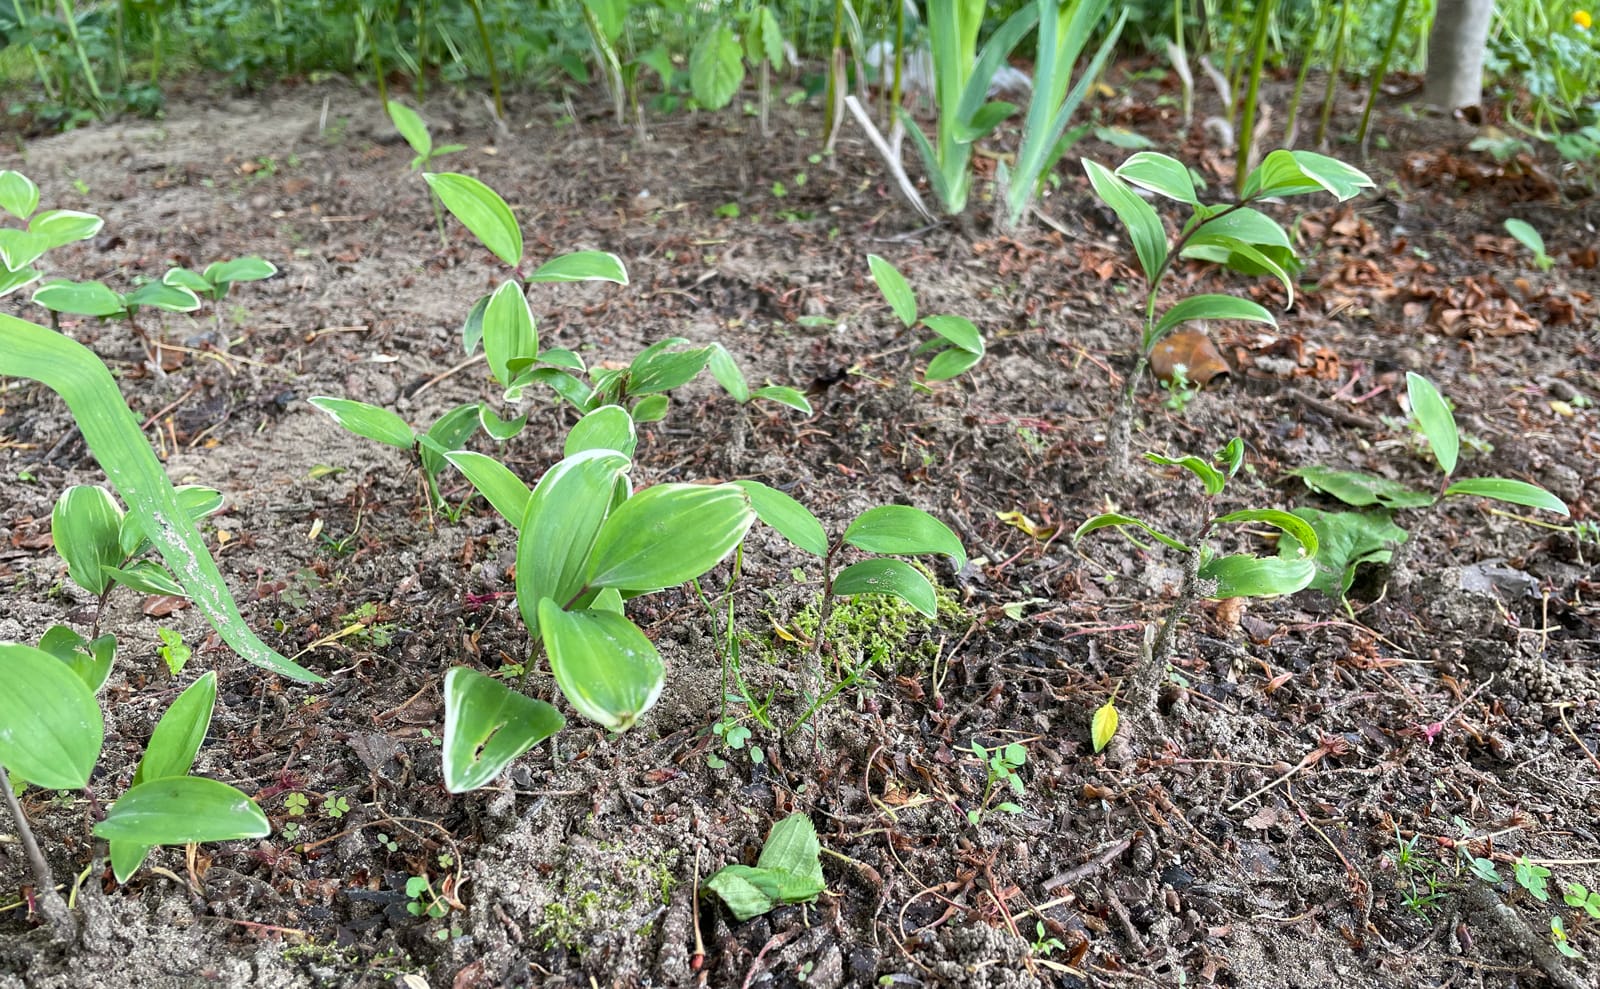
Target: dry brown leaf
<point>1194,352</point>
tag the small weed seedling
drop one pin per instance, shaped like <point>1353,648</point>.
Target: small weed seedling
<point>1205,574</point>
<point>788,871</point>
<point>1043,944</point>
<point>1423,889</point>
<point>1369,535</point>
<point>1001,764</point>
<point>1528,237</point>
<point>412,127</point>
<point>958,344</point>
<point>1236,236</point>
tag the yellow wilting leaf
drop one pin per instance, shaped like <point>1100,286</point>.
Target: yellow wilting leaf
<point>1017,520</point>
<point>1104,725</point>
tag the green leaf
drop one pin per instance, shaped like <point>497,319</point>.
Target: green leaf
<point>79,298</point>
<point>669,534</point>
<point>1218,307</point>
<point>1435,420</point>
<point>1112,519</point>
<point>487,725</point>
<point>86,526</point>
<point>606,428</point>
<point>180,809</point>
<point>888,576</point>
<point>558,530</point>
<point>728,375</point>
<point>765,37</point>
<point>146,577</point>
<point>582,266</point>
<point>792,848</point>
<point>472,327</point>
<point>1507,490</point>
<point>114,436</point>
<point>411,127</point>
<point>716,68</point>
<point>1359,489</point>
<point>179,733</point>
<point>126,857</point>
<point>1251,226</point>
<point>157,295</point>
<point>499,486</point>
<point>1160,174</point>
<point>1292,173</point>
<point>792,520</point>
<point>1294,526</point>
<point>184,278</point>
<point>222,274</point>
<point>608,670</point>
<point>1244,576</point>
<point>18,195</point>
<point>1103,727</point>
<point>1529,237</point>
<point>744,890</point>
<point>11,280</point>
<point>481,210</point>
<point>508,330</point>
<point>498,428</point>
<point>1213,479</point>
<point>368,421</point>
<point>50,727</point>
<point>1345,540</point>
<point>58,227</point>
<point>651,408</point>
<point>950,363</point>
<point>958,330</point>
<point>90,660</point>
<point>896,290</point>
<point>783,395</point>
<point>446,435</point>
<point>1239,255</point>
<point>1139,217</point>
<point>900,530</point>
<point>665,370</point>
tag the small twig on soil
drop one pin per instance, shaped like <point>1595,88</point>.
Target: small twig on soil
<point>254,926</point>
<point>1562,710</point>
<point>699,959</point>
<point>1101,860</point>
<point>50,904</point>
<point>1518,937</point>
<point>1334,412</point>
<point>1128,928</point>
<point>442,375</point>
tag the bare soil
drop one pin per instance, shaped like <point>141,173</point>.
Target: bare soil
<point>1247,840</point>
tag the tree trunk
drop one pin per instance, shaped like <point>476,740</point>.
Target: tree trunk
<point>1455,53</point>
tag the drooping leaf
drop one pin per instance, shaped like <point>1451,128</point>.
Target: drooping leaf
<point>472,326</point>
<point>1113,519</point>
<point>86,526</point>
<point>1360,490</point>
<point>250,268</point>
<point>499,486</point>
<point>50,726</point>
<point>411,127</point>
<point>1295,527</point>
<point>582,266</point>
<point>114,436</point>
<point>367,421</point>
<point>950,363</point>
<point>58,227</point>
<point>487,725</point>
<point>792,520</point>
<point>146,577</point>
<point>665,370</point>
<point>179,733</point>
<point>1139,217</point>
<point>180,809</point>
<point>896,290</point>
<point>1293,173</point>
<point>669,534</point>
<point>958,330</point>
<point>481,210</point>
<point>446,435</point>
<point>1435,420</point>
<point>896,578</point>
<point>651,408</point>
<point>498,428</point>
<point>607,669</point>
<point>1217,307</point>
<point>158,295</point>
<point>783,395</point>
<point>1161,174</point>
<point>1244,576</point>
<point>1213,479</point>
<point>1509,491</point>
<point>900,530</point>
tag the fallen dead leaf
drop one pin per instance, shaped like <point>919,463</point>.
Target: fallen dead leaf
<point>1191,350</point>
